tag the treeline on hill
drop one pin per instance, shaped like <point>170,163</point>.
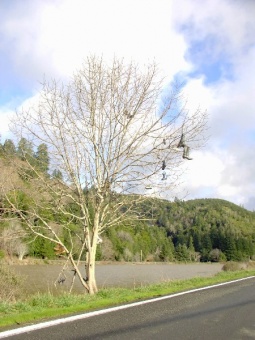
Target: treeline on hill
<point>196,230</point>
<point>215,229</point>
<point>38,158</point>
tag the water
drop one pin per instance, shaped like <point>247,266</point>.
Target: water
<point>41,278</point>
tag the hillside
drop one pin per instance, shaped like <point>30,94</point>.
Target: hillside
<point>193,230</point>
<point>205,214</point>
<point>200,229</point>
<point>209,224</point>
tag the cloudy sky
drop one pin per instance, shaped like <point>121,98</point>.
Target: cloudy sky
<point>208,44</point>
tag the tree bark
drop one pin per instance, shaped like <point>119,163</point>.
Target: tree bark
<point>90,272</point>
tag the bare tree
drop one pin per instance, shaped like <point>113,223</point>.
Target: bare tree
<point>113,133</point>
<point>21,250</point>
<point>12,239</point>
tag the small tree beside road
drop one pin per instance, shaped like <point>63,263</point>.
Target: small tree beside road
<point>112,133</point>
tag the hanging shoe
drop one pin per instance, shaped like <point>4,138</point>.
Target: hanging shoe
<point>186,153</point>
<point>163,165</point>
<point>128,114</point>
<point>181,143</point>
<point>164,178</point>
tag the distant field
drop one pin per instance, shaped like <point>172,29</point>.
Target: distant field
<point>41,278</point>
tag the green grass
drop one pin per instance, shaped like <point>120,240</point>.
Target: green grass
<point>46,306</point>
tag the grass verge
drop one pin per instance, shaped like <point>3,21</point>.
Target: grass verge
<point>41,307</point>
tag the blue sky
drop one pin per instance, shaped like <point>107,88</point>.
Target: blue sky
<point>209,45</point>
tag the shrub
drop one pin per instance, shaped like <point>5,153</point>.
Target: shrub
<point>217,255</point>
<point>232,266</point>
<point>10,284</point>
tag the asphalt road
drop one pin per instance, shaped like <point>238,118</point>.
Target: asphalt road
<point>223,312</point>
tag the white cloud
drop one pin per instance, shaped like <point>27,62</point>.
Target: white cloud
<point>53,37</point>
<point>198,95</point>
<point>230,22</point>
<point>5,120</point>
<point>205,169</point>
<point>225,167</point>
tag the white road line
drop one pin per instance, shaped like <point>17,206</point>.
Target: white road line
<point>46,324</point>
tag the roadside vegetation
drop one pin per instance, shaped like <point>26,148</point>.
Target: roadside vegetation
<point>10,284</point>
<point>41,307</point>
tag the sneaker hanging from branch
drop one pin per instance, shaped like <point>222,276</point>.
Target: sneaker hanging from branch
<point>186,151</point>
<point>163,165</point>
<point>164,178</point>
<point>181,143</point>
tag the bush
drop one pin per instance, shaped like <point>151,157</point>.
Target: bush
<point>232,266</point>
<point>217,255</point>
<point>251,265</point>
<point>10,284</point>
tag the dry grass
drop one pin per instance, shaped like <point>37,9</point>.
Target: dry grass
<point>235,266</point>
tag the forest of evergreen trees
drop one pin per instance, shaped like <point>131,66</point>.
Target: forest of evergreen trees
<point>213,228</point>
<point>195,230</point>
<point>24,150</point>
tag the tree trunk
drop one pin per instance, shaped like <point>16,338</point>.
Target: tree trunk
<point>90,270</point>
<point>91,256</point>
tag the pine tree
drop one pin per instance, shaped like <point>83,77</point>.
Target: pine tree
<point>25,150</point>
<point>231,251</point>
<point>57,174</point>
<point>182,253</point>
<point>42,158</point>
<point>9,147</point>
